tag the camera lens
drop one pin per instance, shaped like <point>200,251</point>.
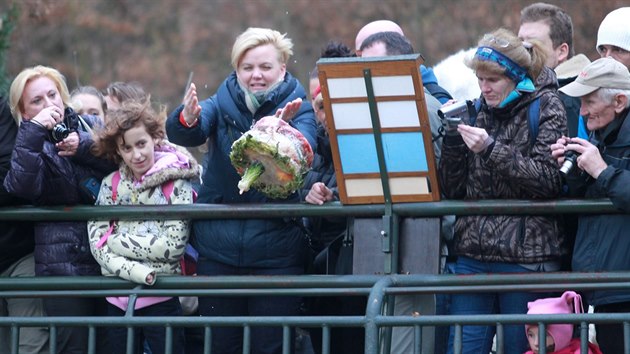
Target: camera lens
<point>59,132</point>
<point>570,160</point>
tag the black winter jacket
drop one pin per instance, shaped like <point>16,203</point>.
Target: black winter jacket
<point>16,238</point>
<point>602,241</point>
<point>323,229</point>
<point>41,176</point>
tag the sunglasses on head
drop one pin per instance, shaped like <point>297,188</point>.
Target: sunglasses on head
<point>500,42</point>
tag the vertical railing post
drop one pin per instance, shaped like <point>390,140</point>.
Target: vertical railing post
<point>390,220</point>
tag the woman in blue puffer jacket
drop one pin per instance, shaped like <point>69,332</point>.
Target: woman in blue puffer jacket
<point>51,164</point>
<point>259,86</point>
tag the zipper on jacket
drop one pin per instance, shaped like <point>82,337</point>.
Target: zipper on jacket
<point>480,239</point>
<point>521,231</point>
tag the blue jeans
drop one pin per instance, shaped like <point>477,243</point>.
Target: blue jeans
<point>267,340</point>
<point>478,339</point>
<point>442,307</point>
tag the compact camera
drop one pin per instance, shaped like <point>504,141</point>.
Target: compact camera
<point>570,161</point>
<point>69,124</point>
<point>457,113</point>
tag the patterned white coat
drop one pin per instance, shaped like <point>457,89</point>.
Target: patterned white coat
<point>137,248</point>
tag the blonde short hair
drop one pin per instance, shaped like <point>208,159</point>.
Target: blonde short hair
<point>254,37</point>
<point>531,59</point>
<point>28,74</point>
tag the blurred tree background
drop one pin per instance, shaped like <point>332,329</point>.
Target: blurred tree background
<point>158,42</point>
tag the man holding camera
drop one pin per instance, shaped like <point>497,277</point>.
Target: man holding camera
<point>602,170</point>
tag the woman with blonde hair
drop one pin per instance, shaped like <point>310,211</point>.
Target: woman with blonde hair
<point>504,153</point>
<point>259,86</point>
<point>51,164</point>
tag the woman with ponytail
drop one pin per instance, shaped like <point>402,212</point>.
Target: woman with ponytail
<point>504,153</point>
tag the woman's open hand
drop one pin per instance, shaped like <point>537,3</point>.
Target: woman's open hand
<point>289,110</point>
<point>192,109</point>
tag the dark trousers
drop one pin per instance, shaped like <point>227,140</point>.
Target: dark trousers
<point>74,340</point>
<point>264,340</point>
<point>346,340</point>
<point>154,336</point>
<point>610,335</point>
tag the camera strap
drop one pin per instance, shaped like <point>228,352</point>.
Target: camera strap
<point>85,126</point>
<point>167,190</point>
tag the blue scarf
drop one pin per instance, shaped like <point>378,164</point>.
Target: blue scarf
<point>526,85</point>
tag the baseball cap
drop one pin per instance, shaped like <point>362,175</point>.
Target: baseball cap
<point>602,73</point>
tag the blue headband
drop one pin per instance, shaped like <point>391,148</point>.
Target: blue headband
<point>512,70</point>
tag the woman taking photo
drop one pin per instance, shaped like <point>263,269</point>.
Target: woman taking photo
<point>259,86</point>
<point>51,164</point>
<point>500,156</point>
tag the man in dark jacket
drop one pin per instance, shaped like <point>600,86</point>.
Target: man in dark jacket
<point>16,253</point>
<point>602,170</point>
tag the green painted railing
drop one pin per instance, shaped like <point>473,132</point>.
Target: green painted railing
<point>226,211</point>
<point>378,289</point>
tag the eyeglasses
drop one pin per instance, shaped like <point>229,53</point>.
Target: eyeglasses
<point>500,42</point>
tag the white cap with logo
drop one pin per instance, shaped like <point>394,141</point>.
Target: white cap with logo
<point>602,73</point>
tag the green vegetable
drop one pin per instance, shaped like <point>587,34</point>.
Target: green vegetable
<point>272,157</point>
<point>250,176</point>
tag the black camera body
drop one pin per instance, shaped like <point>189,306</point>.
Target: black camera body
<point>69,124</point>
<point>457,113</point>
<point>570,161</point>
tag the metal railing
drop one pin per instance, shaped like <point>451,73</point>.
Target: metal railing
<point>380,290</point>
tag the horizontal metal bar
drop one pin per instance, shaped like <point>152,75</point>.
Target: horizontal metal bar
<point>234,211</point>
<point>319,292</point>
<point>317,321</point>
<point>444,320</point>
<point>187,321</point>
<point>339,284</point>
<point>187,282</point>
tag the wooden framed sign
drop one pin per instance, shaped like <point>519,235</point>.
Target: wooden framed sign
<point>379,129</point>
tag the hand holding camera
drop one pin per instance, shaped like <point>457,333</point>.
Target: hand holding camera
<point>570,161</point>
<point>577,152</point>
<point>456,113</point>
<point>48,117</point>
<point>64,134</point>
<point>567,159</point>
<point>63,128</point>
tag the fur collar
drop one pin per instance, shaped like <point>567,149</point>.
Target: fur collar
<point>572,67</point>
<point>190,172</point>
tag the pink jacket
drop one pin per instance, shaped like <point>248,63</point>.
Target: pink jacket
<point>574,348</point>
